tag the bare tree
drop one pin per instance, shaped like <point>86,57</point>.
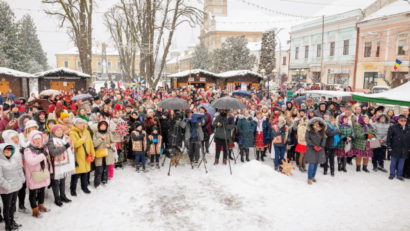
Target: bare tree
<point>126,45</point>
<point>148,22</point>
<point>77,16</point>
<point>388,76</point>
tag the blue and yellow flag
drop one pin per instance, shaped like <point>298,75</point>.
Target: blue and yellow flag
<point>397,64</point>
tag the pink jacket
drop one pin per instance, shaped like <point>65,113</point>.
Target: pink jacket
<point>32,164</point>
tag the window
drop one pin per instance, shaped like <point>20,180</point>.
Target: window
<point>378,49</point>
<point>370,80</point>
<point>332,49</point>
<point>217,11</point>
<point>368,49</point>
<point>319,50</point>
<point>306,52</point>
<point>284,61</point>
<point>66,63</point>
<point>78,64</point>
<point>99,64</point>
<point>346,47</point>
<point>297,53</point>
<point>118,64</point>
<point>402,43</point>
<point>109,64</point>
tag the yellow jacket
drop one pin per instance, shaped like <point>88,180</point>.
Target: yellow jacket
<point>83,165</point>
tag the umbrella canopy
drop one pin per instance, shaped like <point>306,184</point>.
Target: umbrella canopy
<point>208,108</point>
<point>228,103</point>
<point>173,104</point>
<point>299,100</point>
<point>41,102</point>
<point>396,96</point>
<point>241,93</point>
<point>50,92</point>
<point>81,96</point>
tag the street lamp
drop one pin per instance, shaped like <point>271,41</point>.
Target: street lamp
<point>299,72</point>
<point>263,75</point>
<point>274,73</point>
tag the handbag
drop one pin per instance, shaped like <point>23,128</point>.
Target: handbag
<point>348,146</point>
<point>88,157</point>
<point>239,139</point>
<point>40,175</point>
<point>277,140</point>
<point>374,143</point>
<point>100,153</point>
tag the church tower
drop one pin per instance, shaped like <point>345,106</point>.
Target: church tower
<point>216,7</point>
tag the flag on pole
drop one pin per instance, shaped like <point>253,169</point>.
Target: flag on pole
<point>397,64</point>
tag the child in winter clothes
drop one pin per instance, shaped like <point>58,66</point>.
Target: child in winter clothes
<point>279,135</point>
<point>156,146</point>
<point>139,145</point>
<point>333,138</point>
<point>63,162</point>
<point>30,126</point>
<point>37,159</point>
<point>11,180</point>
<point>301,146</point>
<point>381,125</point>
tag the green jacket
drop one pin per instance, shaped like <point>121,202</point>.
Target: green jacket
<point>359,142</point>
<point>347,131</point>
<point>219,130</point>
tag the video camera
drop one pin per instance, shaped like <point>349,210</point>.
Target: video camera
<point>197,117</point>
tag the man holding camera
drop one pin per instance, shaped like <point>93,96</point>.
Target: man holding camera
<point>223,124</point>
<point>193,135</point>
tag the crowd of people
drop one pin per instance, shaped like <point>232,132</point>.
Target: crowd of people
<point>41,147</point>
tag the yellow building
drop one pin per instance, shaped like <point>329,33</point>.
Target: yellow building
<point>71,59</point>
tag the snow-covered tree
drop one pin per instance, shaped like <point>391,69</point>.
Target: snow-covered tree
<point>4,62</point>
<point>28,35</point>
<point>34,67</point>
<point>202,58</point>
<point>8,30</point>
<point>267,58</point>
<point>233,55</point>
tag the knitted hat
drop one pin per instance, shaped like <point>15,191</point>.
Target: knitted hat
<point>63,115</point>
<point>149,110</point>
<point>17,101</point>
<point>31,123</point>
<point>117,107</point>
<point>37,136</point>
<point>78,120</point>
<point>55,127</point>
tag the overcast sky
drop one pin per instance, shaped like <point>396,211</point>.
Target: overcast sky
<point>55,40</point>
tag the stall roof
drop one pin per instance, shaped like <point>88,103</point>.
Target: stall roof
<point>59,71</point>
<point>14,73</point>
<point>228,74</point>
<point>397,96</point>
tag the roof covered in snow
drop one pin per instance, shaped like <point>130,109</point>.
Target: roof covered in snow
<point>13,73</point>
<point>341,6</point>
<point>395,8</point>
<point>59,71</point>
<point>228,74</point>
<point>95,51</point>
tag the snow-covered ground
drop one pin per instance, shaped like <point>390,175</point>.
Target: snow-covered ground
<point>255,197</point>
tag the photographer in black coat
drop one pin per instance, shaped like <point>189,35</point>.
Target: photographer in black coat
<point>175,137</point>
<point>164,119</point>
<point>223,124</point>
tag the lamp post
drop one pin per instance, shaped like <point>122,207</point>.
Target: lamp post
<point>299,71</point>
<point>274,73</point>
<point>263,75</point>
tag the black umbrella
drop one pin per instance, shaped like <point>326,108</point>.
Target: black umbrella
<point>173,104</point>
<point>228,103</point>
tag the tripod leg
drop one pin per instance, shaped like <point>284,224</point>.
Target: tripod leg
<point>170,163</point>
<point>165,157</point>
<point>233,153</point>
<point>226,143</point>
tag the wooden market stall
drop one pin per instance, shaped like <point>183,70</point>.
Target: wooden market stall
<point>17,81</point>
<point>204,79</point>
<point>62,79</point>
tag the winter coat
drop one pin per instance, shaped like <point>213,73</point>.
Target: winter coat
<point>41,124</point>
<point>312,156</point>
<point>143,139</point>
<point>32,162</point>
<point>175,135</point>
<point>319,113</point>
<point>4,123</point>
<point>359,141</point>
<point>11,174</point>
<point>83,165</point>
<point>151,122</point>
<point>399,141</point>
<point>330,140</point>
<point>187,126</point>
<point>17,153</point>
<point>266,129</point>
<point>345,131</point>
<point>302,134</point>
<point>246,128</point>
<point>99,143</point>
<point>276,131</point>
<point>111,129</point>
<point>219,130</point>
<point>382,128</point>
<point>53,150</point>
<point>1,100</point>
<point>207,126</point>
<point>66,127</point>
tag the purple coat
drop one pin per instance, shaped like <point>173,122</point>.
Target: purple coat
<point>208,124</point>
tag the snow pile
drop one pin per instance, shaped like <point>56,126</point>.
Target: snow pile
<point>14,73</point>
<point>61,70</point>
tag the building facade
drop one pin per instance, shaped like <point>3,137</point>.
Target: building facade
<point>330,60</point>
<point>384,38</point>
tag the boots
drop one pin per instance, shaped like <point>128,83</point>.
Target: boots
<point>247,154</point>
<point>230,154</point>
<point>58,202</point>
<point>86,191</point>
<point>177,159</point>
<point>14,225</point>
<point>365,169</point>
<point>263,155</point>
<point>36,213</point>
<point>344,160</point>
<point>224,162</point>
<point>22,208</point>
<point>357,168</point>
<point>73,192</point>
<point>257,155</point>
<point>65,199</point>
<point>313,179</point>
<point>9,226</point>
<point>241,153</point>
<point>43,209</point>
<point>216,162</point>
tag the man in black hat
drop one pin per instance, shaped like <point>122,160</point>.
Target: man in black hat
<point>97,102</point>
<point>398,144</point>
